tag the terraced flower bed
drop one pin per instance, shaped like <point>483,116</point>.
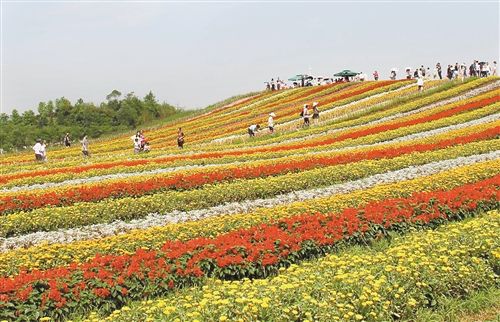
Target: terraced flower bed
<point>234,228</point>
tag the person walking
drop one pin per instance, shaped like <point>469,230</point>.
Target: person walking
<point>270,122</point>
<point>180,139</point>
<point>420,84</point>
<point>438,68</point>
<point>67,140</point>
<point>494,68</point>
<point>37,148</point>
<point>315,113</point>
<point>85,146</point>
<point>477,68</point>
<point>305,115</point>
<point>375,75</point>
<point>252,129</point>
<point>462,72</point>
<point>43,150</point>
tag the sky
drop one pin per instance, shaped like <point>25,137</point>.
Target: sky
<point>193,54</point>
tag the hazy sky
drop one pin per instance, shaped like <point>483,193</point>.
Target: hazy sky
<point>194,54</point>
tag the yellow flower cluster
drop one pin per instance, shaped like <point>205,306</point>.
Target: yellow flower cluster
<point>391,282</point>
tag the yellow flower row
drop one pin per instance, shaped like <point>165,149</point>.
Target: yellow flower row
<point>356,285</point>
<point>45,256</point>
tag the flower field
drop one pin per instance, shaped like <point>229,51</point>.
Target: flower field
<point>385,206</point>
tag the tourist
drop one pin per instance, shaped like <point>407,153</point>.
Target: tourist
<point>37,148</point>
<point>449,72</point>
<point>252,129</point>
<point>305,115</point>
<point>43,150</point>
<point>180,139</point>
<point>270,122</point>
<point>85,146</point>
<point>142,139</point>
<point>315,113</point>
<point>462,72</point>
<point>137,145</point>
<point>67,140</point>
<point>428,74</point>
<point>438,68</point>
<point>420,84</point>
<point>393,75</point>
<point>375,75</point>
<point>494,69</point>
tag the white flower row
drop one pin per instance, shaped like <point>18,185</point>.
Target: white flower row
<point>415,136</point>
<point>156,219</point>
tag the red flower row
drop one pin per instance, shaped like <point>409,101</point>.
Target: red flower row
<point>246,252</point>
<point>28,201</point>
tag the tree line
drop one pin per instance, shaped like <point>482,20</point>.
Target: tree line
<point>56,118</point>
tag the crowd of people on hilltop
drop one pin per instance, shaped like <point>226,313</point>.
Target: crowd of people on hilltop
<point>276,85</point>
<point>453,71</point>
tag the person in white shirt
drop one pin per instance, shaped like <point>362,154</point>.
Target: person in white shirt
<point>137,145</point>
<point>420,84</point>
<point>85,146</point>
<point>252,129</point>
<point>494,69</point>
<point>270,122</point>
<point>37,148</point>
<point>43,150</point>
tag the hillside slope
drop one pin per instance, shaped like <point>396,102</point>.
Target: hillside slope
<point>80,234</point>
